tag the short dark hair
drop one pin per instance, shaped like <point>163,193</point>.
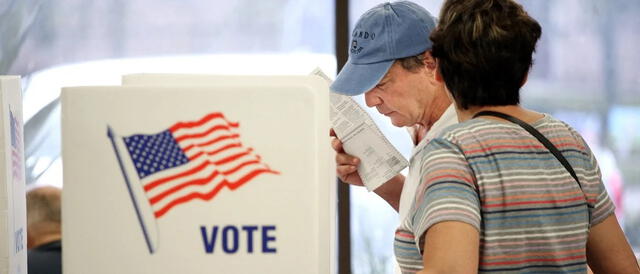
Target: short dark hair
<point>484,50</point>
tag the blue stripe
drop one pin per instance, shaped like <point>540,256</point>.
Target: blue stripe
<point>518,161</point>
<point>437,196</point>
<point>533,215</point>
<point>532,266</point>
<point>434,197</point>
<point>405,242</point>
<point>533,208</point>
<point>488,154</point>
<point>449,182</point>
<point>451,188</point>
<point>568,220</point>
<point>410,248</point>
<point>582,270</point>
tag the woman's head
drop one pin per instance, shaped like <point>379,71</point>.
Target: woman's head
<point>484,50</point>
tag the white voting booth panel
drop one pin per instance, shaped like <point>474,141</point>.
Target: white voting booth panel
<point>13,231</point>
<point>212,179</point>
<point>180,79</point>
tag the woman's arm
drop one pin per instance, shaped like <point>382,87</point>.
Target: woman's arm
<point>608,250</point>
<point>451,247</point>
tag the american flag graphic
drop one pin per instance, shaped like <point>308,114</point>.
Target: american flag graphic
<point>192,160</point>
<point>16,147</point>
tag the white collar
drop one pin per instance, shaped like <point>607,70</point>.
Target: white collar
<point>449,117</point>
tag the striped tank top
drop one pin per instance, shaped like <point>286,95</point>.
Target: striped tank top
<point>495,176</point>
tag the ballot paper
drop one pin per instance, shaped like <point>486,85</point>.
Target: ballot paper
<point>361,137</point>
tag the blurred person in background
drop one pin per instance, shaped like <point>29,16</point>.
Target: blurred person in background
<point>44,231</point>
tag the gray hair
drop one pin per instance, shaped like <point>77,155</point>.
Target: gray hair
<point>412,63</point>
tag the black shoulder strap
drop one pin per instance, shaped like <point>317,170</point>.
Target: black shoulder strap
<point>542,140</point>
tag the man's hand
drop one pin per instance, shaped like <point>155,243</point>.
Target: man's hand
<point>346,165</point>
<point>347,171</point>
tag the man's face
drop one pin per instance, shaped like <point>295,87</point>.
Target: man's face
<point>402,96</point>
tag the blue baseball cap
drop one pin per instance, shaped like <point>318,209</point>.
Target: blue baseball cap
<point>383,34</point>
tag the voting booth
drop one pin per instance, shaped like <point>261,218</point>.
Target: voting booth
<point>13,228</point>
<point>231,176</point>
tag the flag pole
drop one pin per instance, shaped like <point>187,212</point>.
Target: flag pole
<point>129,187</point>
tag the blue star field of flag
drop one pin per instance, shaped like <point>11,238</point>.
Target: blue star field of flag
<point>154,153</point>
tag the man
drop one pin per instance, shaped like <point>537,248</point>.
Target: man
<point>390,62</point>
<point>44,231</point>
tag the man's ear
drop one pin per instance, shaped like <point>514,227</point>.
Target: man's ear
<point>430,67</point>
<point>428,61</point>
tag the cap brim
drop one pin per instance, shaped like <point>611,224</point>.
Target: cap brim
<point>356,79</point>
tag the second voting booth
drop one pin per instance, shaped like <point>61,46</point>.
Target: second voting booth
<point>13,221</point>
<point>231,175</point>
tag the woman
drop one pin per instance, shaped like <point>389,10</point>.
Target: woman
<point>493,197</point>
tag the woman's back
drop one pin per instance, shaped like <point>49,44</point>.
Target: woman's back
<point>533,213</point>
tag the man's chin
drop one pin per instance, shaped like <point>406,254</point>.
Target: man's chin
<point>399,123</point>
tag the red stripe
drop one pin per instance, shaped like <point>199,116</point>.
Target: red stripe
<point>535,260</point>
<point>200,181</point>
<point>229,146</point>
<point>211,194</point>
<point>404,234</point>
<point>533,202</point>
<point>195,156</point>
<point>502,146</point>
<point>221,138</point>
<point>202,134</point>
<point>160,181</point>
<point>233,157</point>
<point>204,120</point>
<point>231,171</point>
<point>570,145</point>
<point>450,176</point>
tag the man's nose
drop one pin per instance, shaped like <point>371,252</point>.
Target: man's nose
<point>371,99</point>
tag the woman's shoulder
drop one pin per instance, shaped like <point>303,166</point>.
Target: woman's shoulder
<point>486,126</point>
<point>472,128</point>
<point>550,126</point>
